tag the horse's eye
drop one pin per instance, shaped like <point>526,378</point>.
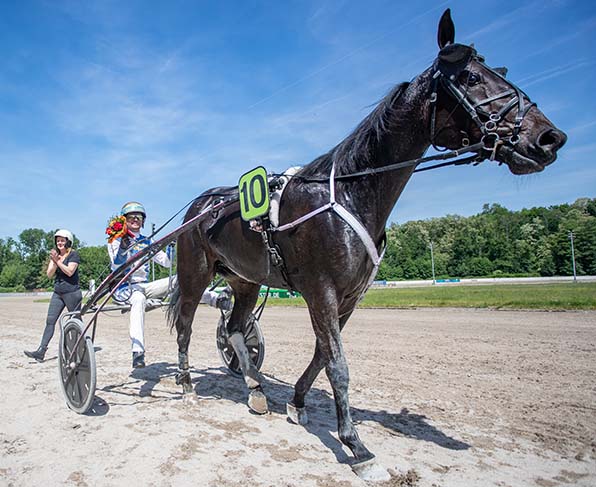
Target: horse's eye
<point>472,78</point>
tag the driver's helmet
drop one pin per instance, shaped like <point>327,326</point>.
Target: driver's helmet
<point>133,207</point>
<point>65,234</point>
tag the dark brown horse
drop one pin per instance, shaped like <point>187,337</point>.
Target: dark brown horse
<point>329,258</point>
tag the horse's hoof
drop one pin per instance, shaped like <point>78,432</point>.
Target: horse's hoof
<point>183,379</point>
<point>296,415</point>
<point>257,402</point>
<point>371,471</point>
<point>190,399</point>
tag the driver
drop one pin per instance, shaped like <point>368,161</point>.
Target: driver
<point>138,289</point>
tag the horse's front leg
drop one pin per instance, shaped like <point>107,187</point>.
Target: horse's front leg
<point>326,324</point>
<point>245,298</point>
<point>296,409</point>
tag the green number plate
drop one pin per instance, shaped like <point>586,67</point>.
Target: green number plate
<point>254,194</point>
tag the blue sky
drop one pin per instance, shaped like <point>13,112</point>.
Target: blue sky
<point>102,102</point>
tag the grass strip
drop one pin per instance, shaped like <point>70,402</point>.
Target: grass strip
<point>561,296</point>
<point>554,297</point>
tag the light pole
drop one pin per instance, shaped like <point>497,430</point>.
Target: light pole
<point>432,262</point>
<point>573,256</point>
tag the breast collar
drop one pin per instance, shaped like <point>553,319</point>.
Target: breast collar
<point>351,220</point>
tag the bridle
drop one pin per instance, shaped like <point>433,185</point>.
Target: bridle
<point>485,149</point>
<point>489,128</point>
<point>490,141</point>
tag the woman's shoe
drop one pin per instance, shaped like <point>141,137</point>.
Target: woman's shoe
<point>38,355</point>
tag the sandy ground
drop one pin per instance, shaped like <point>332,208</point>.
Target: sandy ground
<point>443,397</point>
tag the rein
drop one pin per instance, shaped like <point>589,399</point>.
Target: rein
<point>485,149</point>
<point>477,158</point>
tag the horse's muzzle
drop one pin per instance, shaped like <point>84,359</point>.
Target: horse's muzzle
<point>547,144</point>
<point>536,156</point>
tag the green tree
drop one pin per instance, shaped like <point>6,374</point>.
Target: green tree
<point>95,264</point>
<point>13,274</point>
<point>8,252</point>
<point>34,245</point>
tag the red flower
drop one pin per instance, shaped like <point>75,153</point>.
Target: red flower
<point>116,228</point>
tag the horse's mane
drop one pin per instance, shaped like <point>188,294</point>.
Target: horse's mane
<point>355,151</point>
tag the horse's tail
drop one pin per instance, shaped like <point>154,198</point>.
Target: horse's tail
<point>173,311</point>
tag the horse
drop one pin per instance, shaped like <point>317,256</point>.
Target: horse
<point>334,211</point>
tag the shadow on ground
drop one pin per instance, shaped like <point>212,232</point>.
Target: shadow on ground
<point>212,384</point>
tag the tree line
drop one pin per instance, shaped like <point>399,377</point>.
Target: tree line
<point>496,242</point>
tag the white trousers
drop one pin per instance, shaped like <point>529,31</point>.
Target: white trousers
<point>142,291</point>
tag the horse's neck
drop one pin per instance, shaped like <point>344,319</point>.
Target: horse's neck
<point>373,198</point>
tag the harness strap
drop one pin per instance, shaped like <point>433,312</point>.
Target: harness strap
<point>494,98</point>
<point>477,148</point>
<point>350,219</point>
<point>358,227</point>
<point>275,256</point>
<point>302,219</point>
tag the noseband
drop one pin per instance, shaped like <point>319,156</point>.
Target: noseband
<point>490,138</point>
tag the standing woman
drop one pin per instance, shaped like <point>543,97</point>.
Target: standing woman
<point>64,264</point>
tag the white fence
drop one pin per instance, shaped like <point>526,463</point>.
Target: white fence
<point>480,281</point>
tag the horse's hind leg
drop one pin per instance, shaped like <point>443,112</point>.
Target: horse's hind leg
<point>188,306</point>
<point>193,277</point>
<point>245,298</point>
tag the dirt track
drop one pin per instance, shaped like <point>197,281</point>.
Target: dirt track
<point>455,397</point>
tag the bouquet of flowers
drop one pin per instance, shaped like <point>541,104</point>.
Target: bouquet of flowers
<point>117,228</point>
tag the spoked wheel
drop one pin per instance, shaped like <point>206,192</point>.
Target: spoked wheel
<point>76,359</point>
<point>255,343</point>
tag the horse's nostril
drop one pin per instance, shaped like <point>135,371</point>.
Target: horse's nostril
<point>552,139</point>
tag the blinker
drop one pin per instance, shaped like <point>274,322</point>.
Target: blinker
<point>456,54</point>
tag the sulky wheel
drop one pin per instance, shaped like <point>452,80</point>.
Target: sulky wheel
<point>76,360</point>
<point>255,343</point>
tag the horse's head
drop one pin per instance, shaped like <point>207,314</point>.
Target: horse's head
<point>472,103</point>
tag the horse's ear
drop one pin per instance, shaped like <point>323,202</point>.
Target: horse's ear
<point>446,34</point>
<point>501,71</point>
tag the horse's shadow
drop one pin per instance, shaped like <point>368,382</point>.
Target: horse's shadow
<point>212,384</point>
<point>142,385</point>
